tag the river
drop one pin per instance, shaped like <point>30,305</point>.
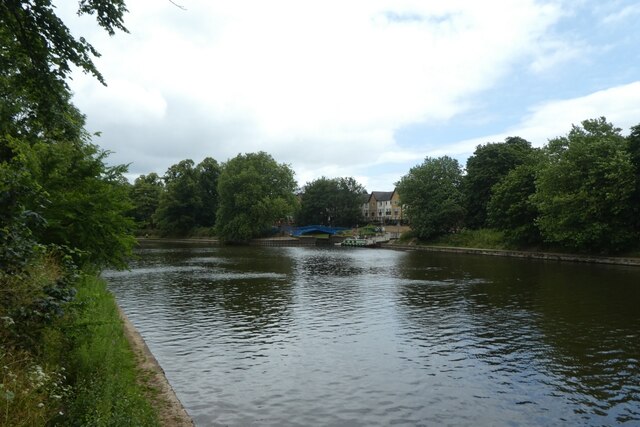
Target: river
<point>374,337</point>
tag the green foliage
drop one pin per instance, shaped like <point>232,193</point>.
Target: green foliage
<point>101,367</point>
<point>17,188</point>
<point>633,141</point>
<point>35,298</point>
<point>208,172</point>
<point>512,209</point>
<point>75,369</point>
<point>482,238</point>
<point>485,168</point>
<point>30,394</point>
<point>145,196</point>
<point>56,189</point>
<point>254,193</point>
<point>335,202</point>
<point>433,196</point>
<point>87,202</point>
<point>181,200</point>
<point>38,54</point>
<point>38,34</point>
<point>584,192</point>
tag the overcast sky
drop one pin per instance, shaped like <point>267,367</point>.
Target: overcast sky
<point>362,88</point>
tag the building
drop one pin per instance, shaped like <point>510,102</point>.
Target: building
<point>383,207</point>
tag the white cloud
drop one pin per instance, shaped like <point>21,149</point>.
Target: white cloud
<point>553,53</point>
<point>620,105</point>
<point>622,14</point>
<point>321,86</point>
<point>123,101</point>
<point>307,80</point>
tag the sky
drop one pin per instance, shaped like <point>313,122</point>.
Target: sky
<point>360,88</point>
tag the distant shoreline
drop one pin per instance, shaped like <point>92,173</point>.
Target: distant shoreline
<point>549,256</point>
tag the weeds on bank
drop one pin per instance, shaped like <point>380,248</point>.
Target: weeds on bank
<point>65,361</point>
<point>102,367</point>
<point>30,394</point>
<point>483,238</point>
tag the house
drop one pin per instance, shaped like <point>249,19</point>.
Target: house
<point>383,207</point>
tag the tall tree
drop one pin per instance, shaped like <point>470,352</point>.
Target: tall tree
<point>87,202</point>
<point>485,168</point>
<point>584,191</point>
<point>335,201</point>
<point>208,172</point>
<point>432,194</point>
<point>254,193</point>
<point>511,208</point>
<point>181,200</point>
<point>633,141</point>
<point>38,53</point>
<point>145,196</point>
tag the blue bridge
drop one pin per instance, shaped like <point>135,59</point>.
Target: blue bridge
<point>316,229</point>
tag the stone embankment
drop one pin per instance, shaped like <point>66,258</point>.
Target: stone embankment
<point>169,408</point>
<point>593,259</point>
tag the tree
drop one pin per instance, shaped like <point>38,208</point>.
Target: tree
<point>180,201</point>
<point>511,208</point>
<point>583,193</point>
<point>87,202</point>
<point>254,193</point>
<point>633,141</point>
<point>433,197</point>
<point>336,201</point>
<point>485,168</point>
<point>208,172</point>
<point>145,196</point>
<point>38,53</point>
<point>38,123</point>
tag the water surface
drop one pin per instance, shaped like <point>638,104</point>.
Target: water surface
<point>358,337</point>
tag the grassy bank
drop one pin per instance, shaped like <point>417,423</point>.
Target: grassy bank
<point>493,239</point>
<point>480,239</point>
<point>80,371</point>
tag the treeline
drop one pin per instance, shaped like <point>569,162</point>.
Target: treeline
<point>240,199</point>
<point>580,192</point>
<point>63,217</point>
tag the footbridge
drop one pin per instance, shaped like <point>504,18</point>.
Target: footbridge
<point>315,229</point>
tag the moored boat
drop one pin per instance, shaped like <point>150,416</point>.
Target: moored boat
<point>358,243</point>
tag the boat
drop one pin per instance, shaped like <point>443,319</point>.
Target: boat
<point>358,242</point>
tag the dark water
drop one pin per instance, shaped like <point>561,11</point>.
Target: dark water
<point>357,337</point>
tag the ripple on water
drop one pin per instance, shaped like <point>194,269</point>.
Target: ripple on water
<point>297,336</point>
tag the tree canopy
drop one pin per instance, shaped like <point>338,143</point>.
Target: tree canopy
<point>512,208</point>
<point>485,168</point>
<point>254,193</point>
<point>584,190</point>
<point>335,201</point>
<point>145,196</point>
<point>53,178</point>
<point>38,53</point>
<point>190,197</point>
<point>432,194</point>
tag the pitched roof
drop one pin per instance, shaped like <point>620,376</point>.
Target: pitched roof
<point>381,196</point>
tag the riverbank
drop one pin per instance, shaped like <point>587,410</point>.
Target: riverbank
<point>550,256</point>
<point>393,244</point>
<point>169,408</point>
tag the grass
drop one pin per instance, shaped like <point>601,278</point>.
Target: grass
<point>479,239</point>
<point>490,239</point>
<point>102,367</point>
<point>80,372</point>
<point>483,238</point>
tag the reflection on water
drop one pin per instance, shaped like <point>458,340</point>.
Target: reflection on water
<point>310,336</point>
